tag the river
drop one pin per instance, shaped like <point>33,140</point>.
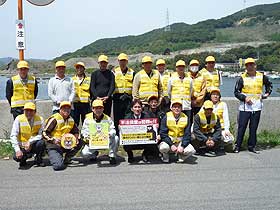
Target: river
<point>226,88</point>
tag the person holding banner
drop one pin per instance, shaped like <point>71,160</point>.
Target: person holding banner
<point>175,134</point>
<point>99,132</point>
<point>61,136</point>
<point>149,149</point>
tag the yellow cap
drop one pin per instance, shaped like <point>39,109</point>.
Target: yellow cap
<point>65,103</point>
<point>160,61</point>
<point>180,63</point>
<point>147,59</point>
<point>194,62</point>
<point>249,60</point>
<point>208,104</point>
<point>29,105</point>
<point>123,56</point>
<point>210,59</point>
<point>103,58</point>
<point>22,64</point>
<point>97,103</point>
<point>80,64</point>
<point>215,89</point>
<point>152,97</point>
<point>176,102</point>
<point>59,63</point>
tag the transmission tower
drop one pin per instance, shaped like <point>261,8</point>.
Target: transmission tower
<point>244,6</point>
<point>167,27</point>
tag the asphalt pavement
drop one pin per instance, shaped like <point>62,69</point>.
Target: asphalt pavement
<point>233,181</point>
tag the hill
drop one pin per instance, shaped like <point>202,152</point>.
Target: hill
<point>261,22</point>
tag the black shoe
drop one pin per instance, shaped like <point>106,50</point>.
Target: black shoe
<point>67,160</point>
<point>200,152</point>
<point>220,152</point>
<point>22,165</point>
<point>236,150</point>
<point>145,157</point>
<point>39,161</point>
<point>113,161</point>
<point>131,159</point>
<point>253,150</point>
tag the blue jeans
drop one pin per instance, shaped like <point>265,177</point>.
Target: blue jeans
<point>244,118</point>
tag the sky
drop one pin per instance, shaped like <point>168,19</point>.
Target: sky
<point>67,25</point>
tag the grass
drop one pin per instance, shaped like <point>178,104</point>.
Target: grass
<point>266,140</point>
<point>6,149</point>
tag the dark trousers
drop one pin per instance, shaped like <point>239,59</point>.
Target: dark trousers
<point>243,119</point>
<point>199,144</point>
<point>108,107</point>
<point>56,155</point>
<point>165,104</point>
<point>37,148</point>
<point>149,149</point>
<point>194,111</point>
<point>80,111</point>
<point>16,111</point>
<point>120,109</point>
<point>188,113</point>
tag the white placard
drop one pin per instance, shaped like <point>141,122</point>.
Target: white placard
<point>20,35</point>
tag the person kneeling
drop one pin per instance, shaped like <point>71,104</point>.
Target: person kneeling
<point>57,127</point>
<point>26,136</point>
<point>95,117</point>
<point>175,134</point>
<point>207,130</point>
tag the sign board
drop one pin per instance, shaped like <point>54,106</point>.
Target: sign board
<point>2,2</point>
<point>99,135</point>
<point>40,2</point>
<point>138,131</point>
<point>20,35</point>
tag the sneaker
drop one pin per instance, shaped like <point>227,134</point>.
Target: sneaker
<point>253,150</point>
<point>130,159</point>
<point>165,158</point>
<point>236,149</point>
<point>113,161</point>
<point>145,158</point>
<point>22,164</point>
<point>67,160</point>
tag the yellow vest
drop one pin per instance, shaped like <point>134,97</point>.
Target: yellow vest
<point>26,131</point>
<point>176,131</point>
<point>62,126</point>
<point>148,86</point>
<point>212,79</point>
<point>204,127</point>
<point>164,81</point>
<point>22,93</point>
<point>197,83</point>
<point>81,89</point>
<point>220,113</point>
<point>123,83</point>
<point>252,86</point>
<point>181,89</point>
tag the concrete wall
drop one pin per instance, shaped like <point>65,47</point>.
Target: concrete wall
<point>270,119</point>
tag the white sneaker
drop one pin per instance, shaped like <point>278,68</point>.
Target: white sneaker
<point>165,158</point>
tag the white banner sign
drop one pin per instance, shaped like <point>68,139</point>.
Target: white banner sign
<point>20,35</point>
<point>142,131</point>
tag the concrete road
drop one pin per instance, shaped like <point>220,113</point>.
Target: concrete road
<point>233,181</point>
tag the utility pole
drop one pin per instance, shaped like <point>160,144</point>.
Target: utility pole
<point>20,17</point>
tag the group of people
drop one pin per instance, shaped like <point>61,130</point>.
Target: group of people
<point>187,103</point>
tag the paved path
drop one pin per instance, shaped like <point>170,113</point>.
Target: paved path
<point>233,181</point>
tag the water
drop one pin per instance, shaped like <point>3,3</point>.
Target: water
<point>226,89</point>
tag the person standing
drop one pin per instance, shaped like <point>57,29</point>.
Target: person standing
<point>147,82</point>
<point>249,91</point>
<point>164,77</point>
<point>123,89</point>
<point>60,87</point>
<point>102,84</point>
<point>199,88</point>
<point>21,89</point>
<point>212,76</point>
<point>82,95</point>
